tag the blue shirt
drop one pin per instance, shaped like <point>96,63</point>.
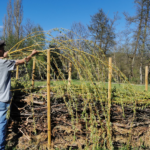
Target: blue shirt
<point>6,66</point>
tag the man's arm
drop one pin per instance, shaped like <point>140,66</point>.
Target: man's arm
<point>27,59</point>
<point>5,54</point>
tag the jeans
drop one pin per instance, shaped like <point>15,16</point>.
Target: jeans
<point>3,123</point>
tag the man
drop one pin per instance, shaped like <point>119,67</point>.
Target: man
<point>6,66</point>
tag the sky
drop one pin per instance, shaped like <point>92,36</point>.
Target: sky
<point>51,14</point>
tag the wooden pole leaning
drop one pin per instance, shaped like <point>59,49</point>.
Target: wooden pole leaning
<point>109,102</point>
<point>69,74</point>
<point>146,78</point>
<point>17,71</point>
<point>33,71</point>
<point>48,100</point>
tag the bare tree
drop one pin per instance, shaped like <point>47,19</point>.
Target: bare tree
<point>78,35</point>
<point>146,12</point>
<point>5,27</point>
<point>18,16</point>
<point>78,30</point>
<point>8,21</point>
<point>28,27</point>
<point>138,19</point>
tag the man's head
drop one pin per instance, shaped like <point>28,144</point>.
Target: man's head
<point>2,51</point>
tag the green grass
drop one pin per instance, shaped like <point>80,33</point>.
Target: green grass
<point>59,83</point>
<point>78,82</point>
<point>121,93</point>
<point>40,83</point>
<point>136,87</point>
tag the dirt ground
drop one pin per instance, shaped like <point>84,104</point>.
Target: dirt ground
<point>27,128</point>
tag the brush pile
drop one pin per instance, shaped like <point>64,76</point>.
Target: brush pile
<point>28,124</point>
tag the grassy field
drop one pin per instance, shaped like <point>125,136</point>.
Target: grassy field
<point>136,87</point>
<point>78,82</point>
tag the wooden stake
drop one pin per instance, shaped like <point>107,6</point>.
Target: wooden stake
<point>33,72</point>
<point>48,100</point>
<point>109,85</point>
<point>109,101</point>
<point>69,74</point>
<point>17,72</point>
<point>146,78</point>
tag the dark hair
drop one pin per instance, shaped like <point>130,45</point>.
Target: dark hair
<point>2,43</point>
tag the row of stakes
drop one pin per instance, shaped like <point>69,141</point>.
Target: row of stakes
<point>69,83</point>
<point>69,73</point>
<point>33,72</point>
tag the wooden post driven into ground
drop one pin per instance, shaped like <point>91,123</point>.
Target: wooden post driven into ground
<point>109,101</point>
<point>69,74</point>
<point>48,100</point>
<point>33,72</point>
<point>109,86</point>
<point>17,71</point>
<point>146,78</point>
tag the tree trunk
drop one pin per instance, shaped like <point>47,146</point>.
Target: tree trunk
<point>141,75</point>
<point>143,45</point>
<point>137,41</point>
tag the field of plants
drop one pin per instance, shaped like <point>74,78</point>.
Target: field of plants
<point>87,113</point>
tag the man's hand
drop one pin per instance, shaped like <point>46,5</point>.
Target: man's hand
<point>34,52</point>
<point>27,59</point>
<point>5,54</point>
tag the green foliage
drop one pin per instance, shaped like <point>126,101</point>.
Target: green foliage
<point>74,74</point>
<point>11,41</point>
<point>37,36</point>
<point>18,87</point>
<point>55,59</point>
